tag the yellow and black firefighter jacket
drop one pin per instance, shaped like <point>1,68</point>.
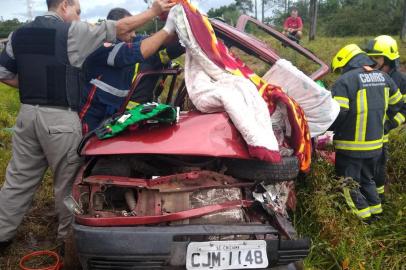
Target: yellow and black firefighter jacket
<point>365,96</point>
<point>400,80</point>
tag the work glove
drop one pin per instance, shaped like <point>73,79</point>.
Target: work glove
<point>170,25</point>
<point>161,6</point>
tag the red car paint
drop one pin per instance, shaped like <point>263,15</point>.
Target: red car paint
<point>199,134</point>
<point>163,201</point>
<point>195,134</point>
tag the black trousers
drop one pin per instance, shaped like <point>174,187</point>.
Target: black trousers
<point>362,170</point>
<point>380,174</point>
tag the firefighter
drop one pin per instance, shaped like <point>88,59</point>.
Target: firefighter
<point>112,68</point>
<point>384,51</point>
<point>365,95</point>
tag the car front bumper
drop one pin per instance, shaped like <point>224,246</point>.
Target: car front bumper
<point>164,247</point>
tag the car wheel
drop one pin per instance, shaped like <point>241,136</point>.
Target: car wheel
<point>258,170</point>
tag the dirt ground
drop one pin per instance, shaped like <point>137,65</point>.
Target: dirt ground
<point>37,232</point>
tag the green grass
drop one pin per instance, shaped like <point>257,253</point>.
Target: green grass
<point>341,241</point>
<point>339,238</point>
<point>9,106</point>
<point>325,48</point>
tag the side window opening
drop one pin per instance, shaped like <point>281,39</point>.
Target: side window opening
<point>282,49</point>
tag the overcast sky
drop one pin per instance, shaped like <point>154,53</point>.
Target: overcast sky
<point>91,9</point>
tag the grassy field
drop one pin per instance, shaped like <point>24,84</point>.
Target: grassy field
<point>340,241</point>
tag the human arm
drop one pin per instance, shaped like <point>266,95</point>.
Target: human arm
<point>136,52</point>
<point>151,45</point>
<point>125,54</point>
<point>128,24</point>
<point>84,38</point>
<point>395,106</point>
<point>8,65</point>
<point>340,94</point>
<point>165,36</point>
<point>400,117</point>
<point>402,88</point>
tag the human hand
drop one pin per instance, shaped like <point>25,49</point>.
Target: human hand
<point>170,25</point>
<point>160,6</point>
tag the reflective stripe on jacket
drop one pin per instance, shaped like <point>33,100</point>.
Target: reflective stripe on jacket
<point>365,97</point>
<point>400,80</point>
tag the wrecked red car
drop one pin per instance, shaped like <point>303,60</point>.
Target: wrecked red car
<point>188,196</point>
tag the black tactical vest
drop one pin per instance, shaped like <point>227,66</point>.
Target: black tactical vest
<point>44,73</point>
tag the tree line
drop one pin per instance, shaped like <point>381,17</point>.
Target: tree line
<point>6,27</point>
<point>332,17</point>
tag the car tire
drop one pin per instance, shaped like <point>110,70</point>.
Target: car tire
<point>258,170</point>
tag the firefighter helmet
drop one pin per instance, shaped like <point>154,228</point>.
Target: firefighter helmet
<point>344,56</point>
<point>383,46</point>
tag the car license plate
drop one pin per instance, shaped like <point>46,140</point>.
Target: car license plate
<point>216,255</point>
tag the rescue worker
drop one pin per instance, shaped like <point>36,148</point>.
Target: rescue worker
<point>47,54</point>
<point>384,51</point>
<point>365,95</point>
<point>112,68</point>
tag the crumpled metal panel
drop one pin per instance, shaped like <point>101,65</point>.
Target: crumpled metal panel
<point>152,202</point>
<point>277,197</point>
<point>216,196</point>
<point>181,182</point>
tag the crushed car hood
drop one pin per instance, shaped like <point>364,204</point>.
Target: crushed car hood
<point>195,134</point>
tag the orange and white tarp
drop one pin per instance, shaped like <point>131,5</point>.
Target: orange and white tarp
<point>320,108</point>
<point>218,81</point>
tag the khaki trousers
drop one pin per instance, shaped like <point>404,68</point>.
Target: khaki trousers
<point>43,137</point>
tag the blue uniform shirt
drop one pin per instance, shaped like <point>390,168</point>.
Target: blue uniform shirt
<point>113,65</point>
